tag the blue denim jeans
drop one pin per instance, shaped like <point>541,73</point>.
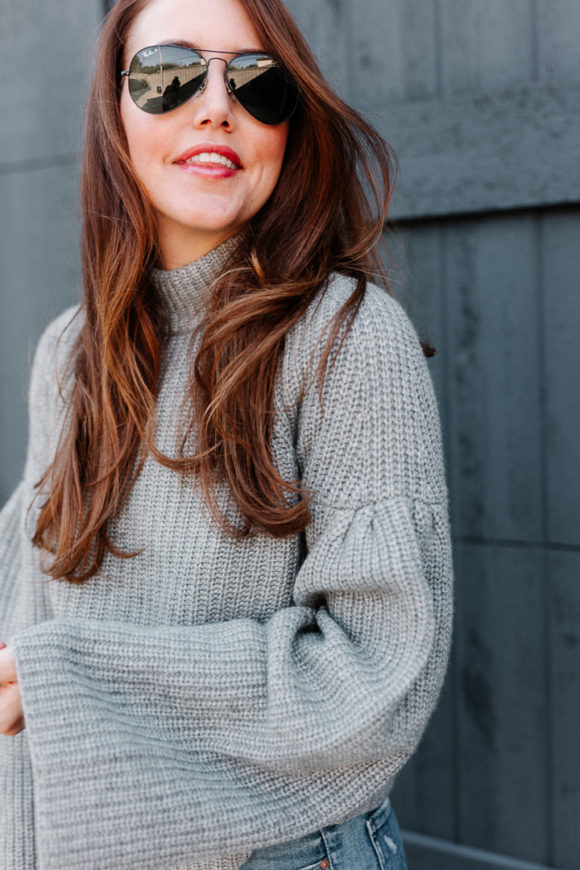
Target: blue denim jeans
<point>368,842</point>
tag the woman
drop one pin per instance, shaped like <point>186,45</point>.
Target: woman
<point>225,577</point>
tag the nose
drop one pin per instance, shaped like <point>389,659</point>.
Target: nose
<point>213,104</point>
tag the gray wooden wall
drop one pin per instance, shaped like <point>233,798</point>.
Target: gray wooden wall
<point>480,99</point>
<point>45,46</point>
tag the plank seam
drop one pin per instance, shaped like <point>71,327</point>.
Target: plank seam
<point>534,43</point>
<point>554,546</point>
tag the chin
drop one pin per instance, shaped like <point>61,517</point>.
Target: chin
<point>210,224</point>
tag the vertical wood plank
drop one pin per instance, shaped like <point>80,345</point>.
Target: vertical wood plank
<point>485,46</point>
<point>560,254</point>
<point>502,725</point>
<point>404,797</point>
<point>419,253</point>
<point>565,705</point>
<point>495,406</point>
<point>558,38</point>
<point>424,794</point>
<point>325,27</point>
<point>434,767</point>
<point>390,47</point>
<point>427,291</point>
<point>377,54</point>
<point>419,37</point>
<point>458,46</point>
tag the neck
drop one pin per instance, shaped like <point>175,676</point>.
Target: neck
<point>182,290</point>
<point>180,247</point>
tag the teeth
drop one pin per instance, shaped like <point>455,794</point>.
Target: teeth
<point>212,157</point>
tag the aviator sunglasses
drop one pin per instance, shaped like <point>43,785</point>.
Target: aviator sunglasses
<point>164,77</point>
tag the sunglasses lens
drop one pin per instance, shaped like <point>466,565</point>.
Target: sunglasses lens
<point>164,77</point>
<point>262,88</point>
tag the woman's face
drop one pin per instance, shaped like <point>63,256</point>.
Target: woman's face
<point>200,205</point>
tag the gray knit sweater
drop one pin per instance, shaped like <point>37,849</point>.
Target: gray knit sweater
<point>211,696</point>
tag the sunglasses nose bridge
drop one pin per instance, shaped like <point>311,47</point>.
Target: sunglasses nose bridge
<point>214,95</point>
<point>225,63</point>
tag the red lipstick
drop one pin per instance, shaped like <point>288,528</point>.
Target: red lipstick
<point>212,168</point>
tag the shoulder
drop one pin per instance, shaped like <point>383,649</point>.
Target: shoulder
<point>64,330</point>
<point>47,379</point>
<point>372,430</point>
<point>55,345</point>
<point>380,319</point>
<point>380,340</point>
<point>50,367</point>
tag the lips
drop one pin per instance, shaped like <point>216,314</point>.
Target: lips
<point>209,148</point>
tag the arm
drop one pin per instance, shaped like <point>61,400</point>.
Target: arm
<point>222,737</point>
<point>17,557</point>
<point>23,602</point>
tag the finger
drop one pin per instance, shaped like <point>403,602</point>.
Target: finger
<point>10,707</point>
<point>7,666</point>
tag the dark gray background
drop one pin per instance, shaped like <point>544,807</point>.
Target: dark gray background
<point>480,99</point>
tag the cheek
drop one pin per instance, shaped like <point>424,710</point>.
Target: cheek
<point>132,125</point>
<point>271,150</point>
<point>143,138</point>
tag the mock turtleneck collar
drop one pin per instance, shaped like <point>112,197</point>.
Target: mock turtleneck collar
<point>182,290</point>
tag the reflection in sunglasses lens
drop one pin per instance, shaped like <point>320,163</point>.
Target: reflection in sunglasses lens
<point>262,89</point>
<point>163,78</point>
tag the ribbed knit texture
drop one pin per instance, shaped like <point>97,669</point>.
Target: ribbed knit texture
<point>211,696</point>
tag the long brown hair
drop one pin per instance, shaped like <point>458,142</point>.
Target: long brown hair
<point>329,205</point>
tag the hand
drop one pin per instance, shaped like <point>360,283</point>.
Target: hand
<point>11,712</point>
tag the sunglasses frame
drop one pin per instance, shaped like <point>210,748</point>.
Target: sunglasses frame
<point>235,54</point>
